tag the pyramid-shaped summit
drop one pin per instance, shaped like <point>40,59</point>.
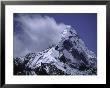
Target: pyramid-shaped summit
<point>69,57</point>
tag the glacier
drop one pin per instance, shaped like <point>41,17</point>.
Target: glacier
<point>69,57</point>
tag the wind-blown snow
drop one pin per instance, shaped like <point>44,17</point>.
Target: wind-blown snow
<point>34,33</point>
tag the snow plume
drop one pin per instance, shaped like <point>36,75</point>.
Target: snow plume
<point>34,33</point>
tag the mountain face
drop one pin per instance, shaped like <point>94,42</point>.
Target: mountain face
<point>69,57</point>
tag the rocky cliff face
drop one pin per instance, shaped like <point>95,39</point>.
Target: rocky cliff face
<point>69,57</point>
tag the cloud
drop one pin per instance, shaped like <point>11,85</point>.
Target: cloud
<point>34,33</point>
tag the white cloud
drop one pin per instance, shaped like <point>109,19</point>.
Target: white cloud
<point>36,33</point>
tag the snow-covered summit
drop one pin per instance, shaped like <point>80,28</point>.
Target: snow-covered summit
<point>69,57</point>
<point>68,31</point>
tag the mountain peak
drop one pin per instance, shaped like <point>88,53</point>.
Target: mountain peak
<point>68,31</point>
<point>69,57</point>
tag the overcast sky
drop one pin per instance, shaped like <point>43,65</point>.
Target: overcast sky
<point>36,32</point>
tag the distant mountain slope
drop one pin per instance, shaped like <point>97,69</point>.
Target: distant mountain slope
<point>69,57</point>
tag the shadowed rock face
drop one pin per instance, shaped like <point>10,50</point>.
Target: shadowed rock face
<point>69,57</point>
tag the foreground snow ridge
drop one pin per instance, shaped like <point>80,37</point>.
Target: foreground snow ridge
<point>69,57</point>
